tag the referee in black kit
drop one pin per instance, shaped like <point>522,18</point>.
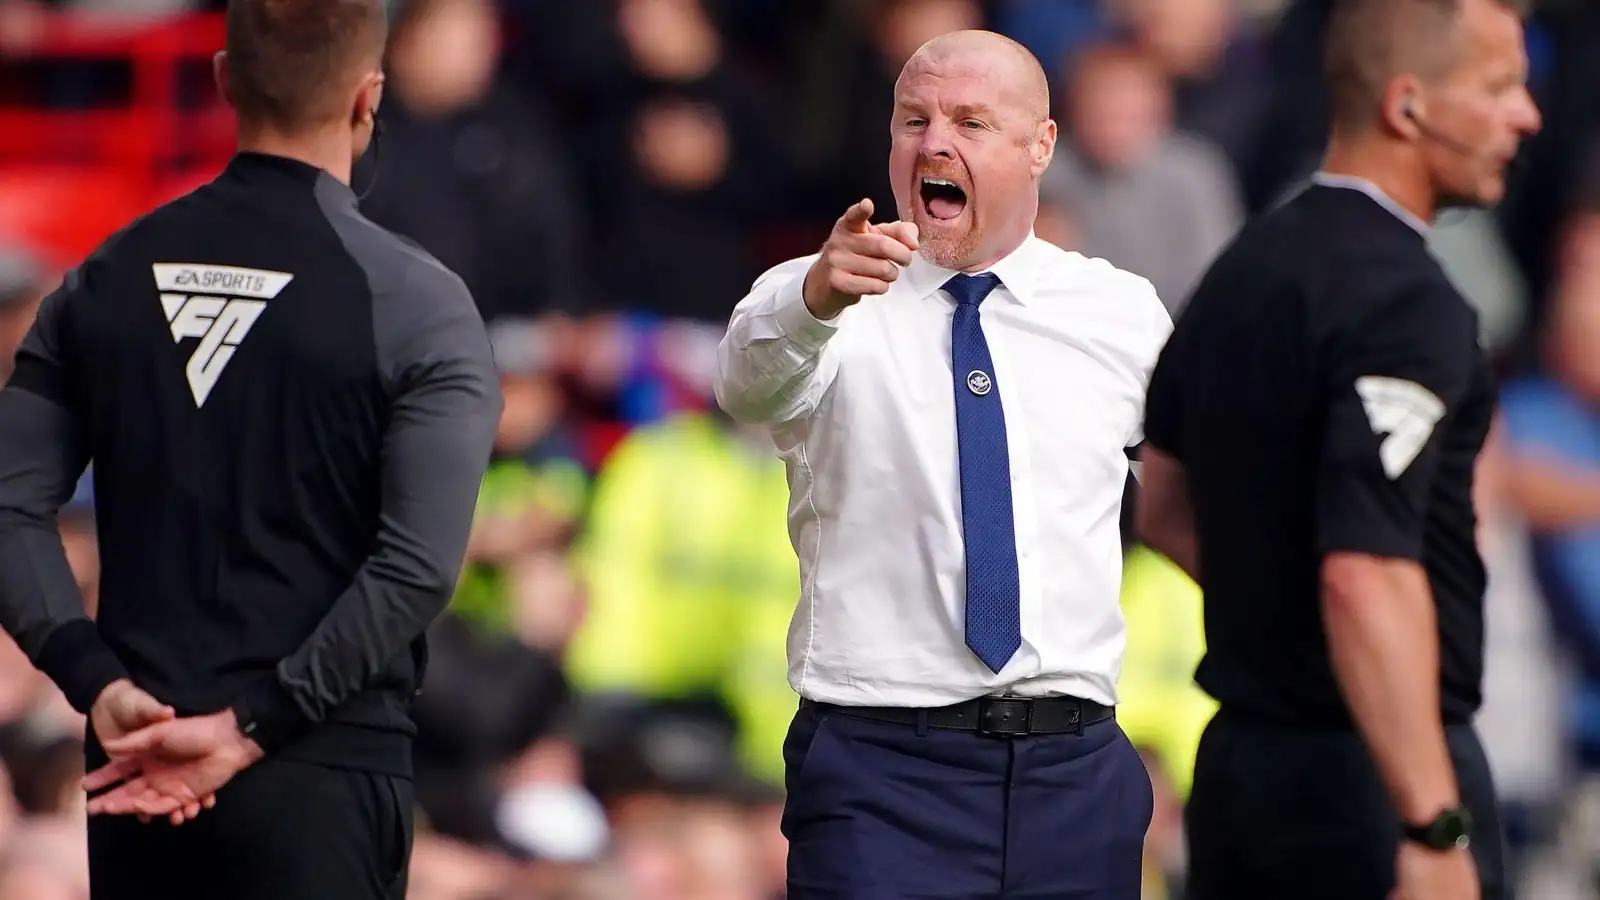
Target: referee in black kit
<point>289,411</point>
<point>1313,425</point>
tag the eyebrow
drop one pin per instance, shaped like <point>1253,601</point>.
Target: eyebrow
<point>964,111</point>
<point>974,111</point>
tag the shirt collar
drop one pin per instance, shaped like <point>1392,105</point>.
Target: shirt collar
<point>1351,182</point>
<point>1015,271</point>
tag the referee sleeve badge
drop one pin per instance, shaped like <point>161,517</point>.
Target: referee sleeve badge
<point>1401,412</point>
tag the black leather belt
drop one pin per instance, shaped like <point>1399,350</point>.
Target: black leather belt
<point>998,716</point>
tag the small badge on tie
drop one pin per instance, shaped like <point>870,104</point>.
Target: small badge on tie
<point>978,382</point>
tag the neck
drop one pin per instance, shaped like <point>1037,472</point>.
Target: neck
<point>1007,246</point>
<point>328,150</point>
<point>1393,168</point>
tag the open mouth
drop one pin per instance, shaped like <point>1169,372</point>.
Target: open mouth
<point>942,198</point>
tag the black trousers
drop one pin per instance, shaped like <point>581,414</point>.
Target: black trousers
<point>1277,812</point>
<point>281,830</point>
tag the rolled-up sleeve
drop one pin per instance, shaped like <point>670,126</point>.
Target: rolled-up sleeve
<point>774,364</point>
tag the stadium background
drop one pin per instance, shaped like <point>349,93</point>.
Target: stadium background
<point>607,698</point>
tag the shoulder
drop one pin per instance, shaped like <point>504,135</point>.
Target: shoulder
<point>422,312</point>
<point>1405,297</point>
<point>406,281</point>
<point>1131,296</point>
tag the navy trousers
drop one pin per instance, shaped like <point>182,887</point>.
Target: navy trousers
<point>879,810</point>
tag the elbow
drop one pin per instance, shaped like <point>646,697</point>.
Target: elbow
<point>1147,525</point>
<point>1360,587</point>
<point>430,582</point>
<point>739,405</point>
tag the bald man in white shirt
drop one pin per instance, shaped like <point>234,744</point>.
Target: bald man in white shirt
<point>957,402</point>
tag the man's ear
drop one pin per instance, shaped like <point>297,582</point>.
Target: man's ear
<point>368,97</point>
<point>1044,147</point>
<point>219,74</point>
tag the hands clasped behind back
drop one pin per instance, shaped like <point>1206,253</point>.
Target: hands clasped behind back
<point>859,259</point>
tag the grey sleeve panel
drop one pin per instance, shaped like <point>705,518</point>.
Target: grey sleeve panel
<point>445,405</point>
<point>41,458</point>
<point>43,453</point>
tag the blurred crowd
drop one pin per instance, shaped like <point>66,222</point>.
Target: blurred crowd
<point>604,712</point>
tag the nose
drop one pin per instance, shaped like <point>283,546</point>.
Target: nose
<point>938,141</point>
<point>1529,121</point>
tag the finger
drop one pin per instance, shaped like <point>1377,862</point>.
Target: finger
<point>890,247</point>
<point>150,709</point>
<point>187,814</point>
<point>855,218</point>
<point>860,285</point>
<point>154,803</point>
<point>209,801</point>
<point>904,233</point>
<point>111,773</point>
<point>874,245</point>
<point>119,802</point>
<point>142,741</point>
<point>867,267</point>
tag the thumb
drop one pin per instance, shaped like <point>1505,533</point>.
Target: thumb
<point>904,232</point>
<point>139,709</point>
<point>856,217</point>
<point>142,741</point>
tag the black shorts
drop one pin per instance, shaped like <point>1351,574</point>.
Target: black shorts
<point>1277,813</point>
<point>281,830</point>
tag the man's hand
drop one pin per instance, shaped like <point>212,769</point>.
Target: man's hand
<point>1422,873</point>
<point>859,258</point>
<point>122,708</point>
<point>171,769</point>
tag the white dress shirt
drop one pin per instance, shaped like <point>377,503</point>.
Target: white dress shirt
<point>862,410</point>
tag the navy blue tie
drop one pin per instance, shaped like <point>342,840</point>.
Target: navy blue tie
<point>994,606</point>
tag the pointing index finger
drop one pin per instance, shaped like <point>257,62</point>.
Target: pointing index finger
<point>856,217</point>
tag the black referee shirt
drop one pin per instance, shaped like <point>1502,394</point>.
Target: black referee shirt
<point>1325,391</point>
<point>289,411</point>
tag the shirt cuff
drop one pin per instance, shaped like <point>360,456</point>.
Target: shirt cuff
<point>269,715</point>
<point>80,662</point>
<point>803,329</point>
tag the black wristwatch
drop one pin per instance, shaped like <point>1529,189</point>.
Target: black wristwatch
<point>1449,830</point>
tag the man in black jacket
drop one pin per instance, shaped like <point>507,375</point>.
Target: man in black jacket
<point>289,411</point>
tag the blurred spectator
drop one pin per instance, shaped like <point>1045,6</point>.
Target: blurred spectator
<point>21,288</point>
<point>682,163</point>
<point>692,579</point>
<point>1220,86</point>
<point>1553,442</point>
<point>469,168</point>
<point>1150,200</point>
<point>495,685</point>
<point>1053,30</point>
<point>1159,705</point>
